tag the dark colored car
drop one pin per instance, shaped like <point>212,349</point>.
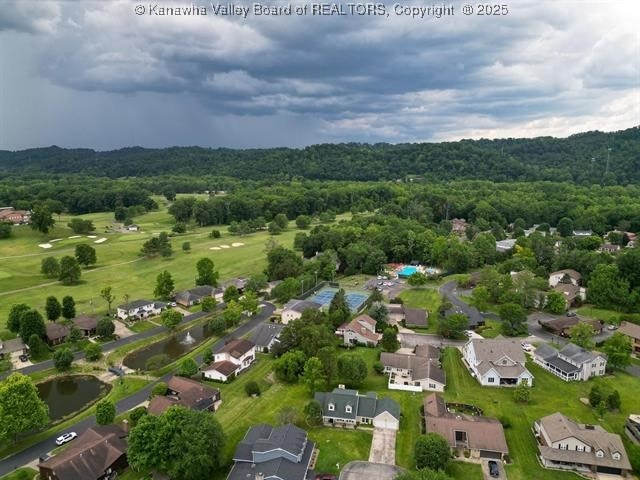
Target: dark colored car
<point>23,358</point>
<point>571,314</point>
<point>494,471</point>
<point>325,476</point>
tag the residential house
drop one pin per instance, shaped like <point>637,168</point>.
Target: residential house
<point>474,317</point>
<point>573,294</point>
<point>459,226</point>
<point>235,357</point>
<point>412,317</point>
<point>16,217</point>
<point>344,407</point>
<point>194,296</point>
<point>360,331</point>
<point>56,333</point>
<point>273,453</point>
<point>566,445</point>
<point>139,309</point>
<point>571,362</point>
<point>609,248</point>
<point>505,245</point>
<point>497,362</point>
<point>187,393</point>
<point>415,372</point>
<point>582,233</point>
<point>567,276</point>
<point>133,227</point>
<point>266,335</point>
<point>562,325</point>
<point>87,324</point>
<point>632,428</point>
<point>98,454</point>
<point>632,331</point>
<point>481,437</point>
<point>7,347</point>
<point>239,283</point>
<point>293,309</point>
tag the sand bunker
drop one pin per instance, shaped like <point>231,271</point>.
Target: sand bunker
<point>45,245</point>
<point>100,240</point>
<point>92,236</point>
<point>55,240</point>
<point>237,244</point>
<point>225,246</point>
<point>214,248</point>
<point>76,236</point>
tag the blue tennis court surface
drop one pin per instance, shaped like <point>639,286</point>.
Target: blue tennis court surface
<point>354,299</point>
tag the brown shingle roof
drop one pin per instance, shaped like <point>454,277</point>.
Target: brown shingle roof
<point>492,350</point>
<point>568,271</point>
<point>86,322</point>
<point>483,433</point>
<point>160,403</point>
<point>237,348</point>
<point>90,455</point>
<point>415,316</point>
<point>56,331</point>
<point>356,326</point>
<point>226,368</point>
<point>569,290</point>
<point>630,329</point>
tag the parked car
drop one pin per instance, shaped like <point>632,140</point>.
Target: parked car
<point>23,357</point>
<point>527,347</point>
<point>66,437</point>
<point>173,304</point>
<point>612,327</point>
<point>571,314</point>
<point>494,470</point>
<point>469,333</point>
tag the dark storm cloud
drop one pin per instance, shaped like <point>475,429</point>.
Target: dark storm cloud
<point>546,68</point>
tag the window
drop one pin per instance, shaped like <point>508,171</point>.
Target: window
<point>332,407</point>
<point>348,409</point>
<point>579,448</point>
<point>593,365</point>
<point>599,454</point>
<point>432,385</point>
<point>491,380</point>
<point>616,456</point>
<point>564,446</point>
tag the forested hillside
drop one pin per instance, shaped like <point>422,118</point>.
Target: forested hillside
<point>579,158</point>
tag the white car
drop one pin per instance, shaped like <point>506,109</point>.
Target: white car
<point>612,327</point>
<point>469,333</point>
<point>65,438</point>
<point>527,347</point>
<point>173,304</point>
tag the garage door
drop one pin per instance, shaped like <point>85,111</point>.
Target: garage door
<point>614,471</point>
<point>490,454</point>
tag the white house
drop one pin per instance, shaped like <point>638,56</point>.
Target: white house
<point>571,362</point>
<point>140,309</point>
<point>360,331</point>
<point>565,276</point>
<point>505,245</point>
<point>292,310</point>
<point>235,357</point>
<point>497,362</point>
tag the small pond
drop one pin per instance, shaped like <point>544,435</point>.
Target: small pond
<point>70,394</point>
<point>172,347</point>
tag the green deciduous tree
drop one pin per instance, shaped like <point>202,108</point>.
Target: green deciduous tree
<point>5,230</point>
<point>313,412</point>
<point>160,245</point>
<point>339,311</point>
<point>172,441</point>
<point>207,275</point>
<point>50,267</point>
<point>93,352</point>
<point>86,254</point>
<point>53,308</point>
<point>231,293</point>
<point>75,335</point>
<point>217,325</point>
<point>21,409</point>
<point>522,392</point>
<point>164,285</point>
<point>208,304</point>
<point>514,319</point>
<point>282,263</point>
<point>618,349</point>
<point>582,335</point>
<point>69,271</point>
<point>171,319</point>
<point>188,367</point>
<point>556,302</point>
<point>390,340</point>
<point>105,328</point>
<point>303,221</point>
<point>290,366</point>
<point>432,451</point>
<point>232,314</point>
<point>453,325</point>
<point>352,370</point>
<point>41,219</point>
<point>14,319</point>
<point>62,359</point>
<point>68,307</point>
<point>480,298</point>
<point>105,412</point>
<point>159,389</point>
<point>607,289</point>
<point>37,348</point>
<point>80,225</point>
<point>252,388</point>
<point>565,227</point>
<point>286,290</point>
<point>107,295</point>
<point>313,374</point>
<point>249,302</point>
<point>31,323</point>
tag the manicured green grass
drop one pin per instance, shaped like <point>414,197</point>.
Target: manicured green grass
<point>491,329</point>
<point>339,446</point>
<point>607,316</point>
<point>143,325</point>
<point>465,471</point>
<point>428,298</point>
<point>21,474</point>
<point>549,395</point>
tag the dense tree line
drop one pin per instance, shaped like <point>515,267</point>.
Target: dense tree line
<point>580,158</point>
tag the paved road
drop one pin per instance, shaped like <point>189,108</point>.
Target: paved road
<point>449,291</point>
<point>411,340</point>
<point>107,347</point>
<point>40,449</point>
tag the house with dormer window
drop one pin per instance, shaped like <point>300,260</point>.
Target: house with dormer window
<point>571,362</point>
<point>567,445</point>
<point>497,362</point>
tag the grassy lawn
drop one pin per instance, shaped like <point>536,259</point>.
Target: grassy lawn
<point>427,298</point>
<point>607,316</point>
<point>491,329</point>
<point>21,474</point>
<point>143,325</point>
<point>549,395</point>
<point>339,447</point>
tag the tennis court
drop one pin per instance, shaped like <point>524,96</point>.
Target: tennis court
<point>354,299</point>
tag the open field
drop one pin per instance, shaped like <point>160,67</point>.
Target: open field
<point>119,264</point>
<point>607,316</point>
<point>549,395</point>
<point>428,298</point>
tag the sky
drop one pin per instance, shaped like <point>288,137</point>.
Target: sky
<point>104,75</point>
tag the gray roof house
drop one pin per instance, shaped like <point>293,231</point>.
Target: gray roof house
<point>293,309</point>
<point>348,407</point>
<point>266,335</point>
<point>273,453</point>
<point>414,372</point>
<point>571,362</point>
<point>497,362</point>
<point>565,444</point>
<point>195,295</point>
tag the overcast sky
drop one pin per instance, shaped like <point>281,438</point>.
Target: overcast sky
<point>96,74</point>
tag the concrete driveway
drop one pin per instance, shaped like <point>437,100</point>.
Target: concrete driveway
<point>383,446</point>
<point>369,471</point>
<point>411,340</point>
<point>485,471</point>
